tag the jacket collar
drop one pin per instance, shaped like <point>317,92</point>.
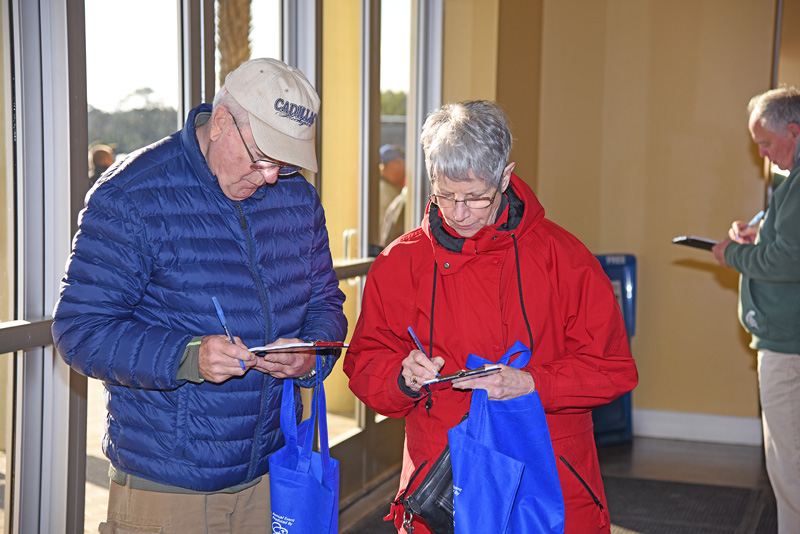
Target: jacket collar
<point>519,212</point>
<point>196,159</point>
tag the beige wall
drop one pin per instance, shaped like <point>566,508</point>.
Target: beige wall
<point>789,67</point>
<point>469,63</point>
<point>641,137</point>
<point>339,127</point>
<point>492,51</point>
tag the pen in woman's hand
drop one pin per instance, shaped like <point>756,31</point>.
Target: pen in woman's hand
<point>418,343</point>
<point>222,320</point>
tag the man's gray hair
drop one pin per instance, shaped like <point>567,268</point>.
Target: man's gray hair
<point>467,140</point>
<point>776,109</point>
<point>225,99</point>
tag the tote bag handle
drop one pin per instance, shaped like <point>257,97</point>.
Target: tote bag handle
<point>319,417</point>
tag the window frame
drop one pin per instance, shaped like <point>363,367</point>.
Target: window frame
<point>45,42</point>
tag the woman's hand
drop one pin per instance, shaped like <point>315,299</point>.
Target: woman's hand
<point>417,368</point>
<point>506,384</point>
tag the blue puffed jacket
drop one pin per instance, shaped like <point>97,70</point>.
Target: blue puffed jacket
<point>157,240</point>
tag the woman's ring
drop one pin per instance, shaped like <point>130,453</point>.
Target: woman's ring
<point>413,380</point>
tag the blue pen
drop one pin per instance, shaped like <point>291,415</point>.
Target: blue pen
<point>222,320</point>
<point>418,343</point>
<point>754,220</point>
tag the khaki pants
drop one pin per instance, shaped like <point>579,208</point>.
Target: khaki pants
<point>134,511</point>
<point>779,385</point>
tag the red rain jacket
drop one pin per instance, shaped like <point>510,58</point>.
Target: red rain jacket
<point>580,359</point>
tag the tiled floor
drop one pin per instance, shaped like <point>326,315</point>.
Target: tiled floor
<point>678,461</point>
<point>96,462</point>
<point>657,459</point>
<point>687,461</point>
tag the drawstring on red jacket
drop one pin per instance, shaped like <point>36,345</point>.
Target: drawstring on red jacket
<point>429,400</point>
<point>519,286</point>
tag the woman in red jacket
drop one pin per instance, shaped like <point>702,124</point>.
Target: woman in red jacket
<point>484,270</point>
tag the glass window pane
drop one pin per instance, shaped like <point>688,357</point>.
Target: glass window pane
<point>394,87</point>
<point>132,83</point>
<point>235,43</point>
<point>133,93</point>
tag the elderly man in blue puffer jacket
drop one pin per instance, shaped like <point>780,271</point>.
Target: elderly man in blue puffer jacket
<point>217,209</point>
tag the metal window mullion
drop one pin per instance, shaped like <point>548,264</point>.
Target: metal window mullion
<point>26,469</point>
<point>301,38</point>
<point>369,130</point>
<point>189,30</point>
<point>427,76</point>
<point>78,137</point>
<point>47,246</point>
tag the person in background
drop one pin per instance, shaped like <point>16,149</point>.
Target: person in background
<point>217,210</point>
<point>768,258</point>
<point>101,157</point>
<point>487,269</point>
<point>392,193</point>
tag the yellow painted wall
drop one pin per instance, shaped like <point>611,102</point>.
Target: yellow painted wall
<point>339,128</point>
<point>492,51</point>
<point>519,57</point>
<point>644,137</point>
<point>641,137</point>
<point>789,67</point>
<point>469,62</point>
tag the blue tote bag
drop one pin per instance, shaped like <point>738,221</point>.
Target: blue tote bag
<point>504,471</point>
<point>304,485</point>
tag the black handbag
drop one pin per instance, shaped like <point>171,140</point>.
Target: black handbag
<point>432,500</point>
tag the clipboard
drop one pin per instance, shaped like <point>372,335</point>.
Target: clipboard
<point>464,373</point>
<point>305,346</point>
<point>695,242</point>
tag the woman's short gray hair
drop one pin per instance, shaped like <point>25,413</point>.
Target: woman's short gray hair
<point>467,140</point>
<point>776,109</point>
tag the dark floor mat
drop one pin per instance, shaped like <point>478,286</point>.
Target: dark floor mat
<point>659,507</point>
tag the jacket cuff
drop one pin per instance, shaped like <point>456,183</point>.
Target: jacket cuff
<point>309,380</point>
<point>728,253</point>
<point>405,389</point>
<point>543,385</point>
<point>189,368</point>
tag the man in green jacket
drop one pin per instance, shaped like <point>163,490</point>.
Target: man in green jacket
<point>768,258</point>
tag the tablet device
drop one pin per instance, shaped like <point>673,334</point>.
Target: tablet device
<point>696,242</point>
<point>464,373</point>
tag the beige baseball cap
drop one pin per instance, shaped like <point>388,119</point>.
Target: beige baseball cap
<point>283,109</point>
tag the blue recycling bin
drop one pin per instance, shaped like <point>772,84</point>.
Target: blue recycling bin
<point>613,422</point>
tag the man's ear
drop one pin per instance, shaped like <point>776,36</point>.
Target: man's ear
<point>794,129</point>
<point>218,122</point>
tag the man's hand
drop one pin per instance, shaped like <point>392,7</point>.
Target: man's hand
<point>719,251</point>
<point>506,384</point>
<point>290,364</point>
<point>743,233</point>
<point>219,359</point>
